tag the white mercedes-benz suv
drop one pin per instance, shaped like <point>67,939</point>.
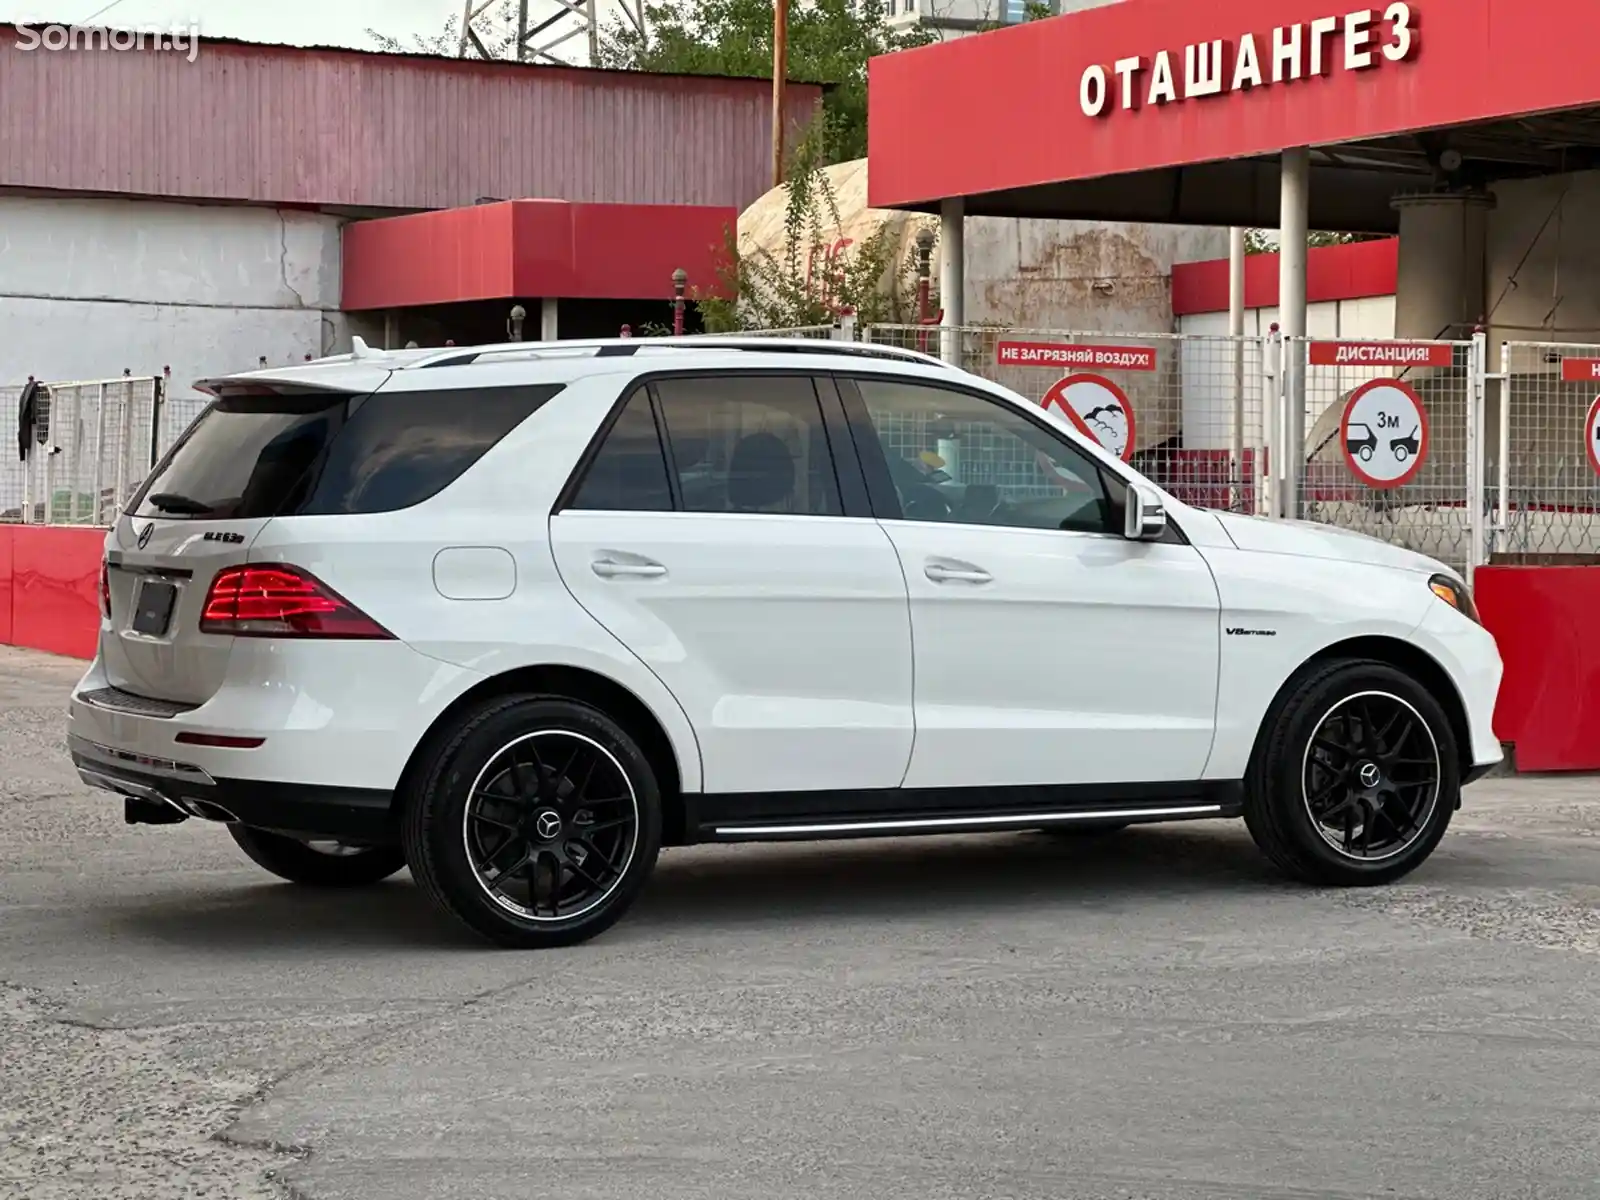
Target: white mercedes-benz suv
<point>517,617</point>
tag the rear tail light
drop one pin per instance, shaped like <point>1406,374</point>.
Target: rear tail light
<point>274,600</point>
<point>105,589</point>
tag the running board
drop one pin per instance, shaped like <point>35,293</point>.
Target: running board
<point>801,816</point>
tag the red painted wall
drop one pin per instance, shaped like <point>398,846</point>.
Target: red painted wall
<point>1473,60</point>
<point>1550,698</point>
<point>1350,272</point>
<point>526,248</point>
<point>50,588</point>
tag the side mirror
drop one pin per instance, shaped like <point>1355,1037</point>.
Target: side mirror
<point>1146,518</point>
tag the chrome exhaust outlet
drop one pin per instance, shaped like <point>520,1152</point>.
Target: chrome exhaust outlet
<point>207,811</point>
<point>141,805</point>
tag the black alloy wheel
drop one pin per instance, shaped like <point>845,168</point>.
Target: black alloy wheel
<point>551,825</point>
<point>1355,776</point>
<point>536,823</point>
<point>1370,776</point>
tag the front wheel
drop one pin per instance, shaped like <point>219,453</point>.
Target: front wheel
<point>318,863</point>
<point>536,822</point>
<point>1356,776</point>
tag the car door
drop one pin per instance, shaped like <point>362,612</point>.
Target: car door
<point>714,535</point>
<point>1049,649</point>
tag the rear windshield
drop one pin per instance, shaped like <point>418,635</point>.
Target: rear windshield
<point>321,452</point>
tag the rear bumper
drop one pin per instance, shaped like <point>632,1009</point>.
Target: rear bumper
<point>349,814</point>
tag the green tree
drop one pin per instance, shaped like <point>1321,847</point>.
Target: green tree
<point>1259,241</point>
<point>800,284</point>
<point>830,42</point>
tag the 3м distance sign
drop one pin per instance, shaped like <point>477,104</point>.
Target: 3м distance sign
<point>1384,433</point>
<point>1073,357</point>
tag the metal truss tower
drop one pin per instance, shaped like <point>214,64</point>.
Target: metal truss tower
<point>497,29</point>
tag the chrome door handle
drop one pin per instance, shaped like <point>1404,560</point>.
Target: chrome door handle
<point>608,569</point>
<point>956,575</point>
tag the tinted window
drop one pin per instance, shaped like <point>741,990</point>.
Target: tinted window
<point>325,452</point>
<point>628,473</point>
<point>749,443</point>
<point>953,456</point>
<point>399,449</point>
<point>244,456</point>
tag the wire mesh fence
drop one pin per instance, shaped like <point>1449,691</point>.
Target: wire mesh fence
<point>1391,449</point>
<point>1185,410</point>
<point>1544,492</point>
<point>86,447</point>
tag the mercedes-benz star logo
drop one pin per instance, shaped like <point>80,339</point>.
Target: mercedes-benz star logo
<point>547,825</point>
<point>1369,775</point>
<point>144,534</point>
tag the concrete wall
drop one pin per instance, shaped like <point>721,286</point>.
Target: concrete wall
<point>1108,277</point>
<point>90,287</point>
<point>1543,260</point>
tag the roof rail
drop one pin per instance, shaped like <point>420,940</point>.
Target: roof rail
<point>629,347</point>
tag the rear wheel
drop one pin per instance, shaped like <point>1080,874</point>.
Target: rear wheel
<point>1356,777</point>
<point>318,863</point>
<point>536,822</point>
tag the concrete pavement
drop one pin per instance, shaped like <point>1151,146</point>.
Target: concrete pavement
<point>1152,1015</point>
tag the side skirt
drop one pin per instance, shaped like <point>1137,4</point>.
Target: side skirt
<point>903,812</point>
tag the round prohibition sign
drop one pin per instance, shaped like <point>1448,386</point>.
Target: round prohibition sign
<point>1097,408</point>
<point>1384,433</point>
<point>1591,436</point>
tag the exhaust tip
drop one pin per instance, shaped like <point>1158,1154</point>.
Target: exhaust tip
<point>140,810</point>
<point>207,811</point>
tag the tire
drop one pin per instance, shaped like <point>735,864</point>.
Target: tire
<point>1402,820</point>
<point>295,860</point>
<point>493,833</point>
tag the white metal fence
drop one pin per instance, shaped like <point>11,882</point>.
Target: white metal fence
<point>1396,437</point>
<point>87,446</point>
<point>1399,439</point>
<point>1544,493</point>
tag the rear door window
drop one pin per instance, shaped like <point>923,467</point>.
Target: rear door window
<point>302,452</point>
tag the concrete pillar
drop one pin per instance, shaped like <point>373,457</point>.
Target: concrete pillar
<point>1236,331</point>
<point>1294,207</point>
<point>548,329</point>
<point>952,276</point>
<point>1443,279</point>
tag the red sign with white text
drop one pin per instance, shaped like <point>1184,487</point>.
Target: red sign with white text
<point>1580,370</point>
<point>1381,354</point>
<point>1058,354</point>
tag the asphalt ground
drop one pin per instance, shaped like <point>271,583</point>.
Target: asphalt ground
<point>1154,1015</point>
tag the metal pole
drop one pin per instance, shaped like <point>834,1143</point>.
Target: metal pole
<point>592,16</point>
<point>1293,218</point>
<point>548,325</point>
<point>780,75</point>
<point>952,277</point>
<point>1477,389</point>
<point>1503,450</point>
<point>98,473</point>
<point>522,31</point>
<point>680,280</point>
<point>1236,332</point>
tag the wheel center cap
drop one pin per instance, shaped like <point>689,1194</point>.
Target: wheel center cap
<point>1369,775</point>
<point>547,824</point>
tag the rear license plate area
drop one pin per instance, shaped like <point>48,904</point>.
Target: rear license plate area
<point>152,611</point>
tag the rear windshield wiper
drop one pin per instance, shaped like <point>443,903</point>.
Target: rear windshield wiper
<point>174,503</point>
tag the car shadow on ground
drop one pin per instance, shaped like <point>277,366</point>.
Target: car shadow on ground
<point>748,886</point>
